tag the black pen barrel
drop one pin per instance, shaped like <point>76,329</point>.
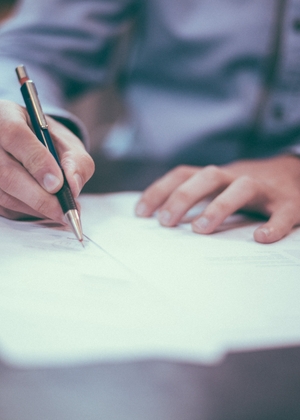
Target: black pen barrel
<point>65,197</point>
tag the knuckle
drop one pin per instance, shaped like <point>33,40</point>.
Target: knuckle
<point>35,161</point>
<point>247,183</point>
<point>12,121</point>
<point>213,171</point>
<point>290,210</point>
<point>181,195</point>
<point>182,171</point>
<point>10,130</point>
<point>81,163</point>
<point>7,177</point>
<point>221,206</point>
<point>181,168</point>
<point>88,165</point>
<point>6,200</point>
<point>41,206</point>
<point>158,188</point>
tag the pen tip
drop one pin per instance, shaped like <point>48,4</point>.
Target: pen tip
<point>75,224</point>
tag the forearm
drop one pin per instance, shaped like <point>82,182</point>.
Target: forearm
<point>286,163</point>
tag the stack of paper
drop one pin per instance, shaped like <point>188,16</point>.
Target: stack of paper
<point>140,290</point>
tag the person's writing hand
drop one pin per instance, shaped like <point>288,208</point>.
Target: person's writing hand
<point>270,187</point>
<point>29,175</point>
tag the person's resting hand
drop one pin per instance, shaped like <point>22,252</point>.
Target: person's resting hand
<point>29,174</point>
<point>270,187</point>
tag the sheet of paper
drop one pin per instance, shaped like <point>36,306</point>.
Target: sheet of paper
<point>140,290</point>
<point>239,293</point>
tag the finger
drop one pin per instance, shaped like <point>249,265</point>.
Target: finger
<point>18,140</point>
<point>155,195</point>
<point>16,182</point>
<point>202,184</point>
<point>279,225</point>
<point>12,205</point>
<point>78,165</point>
<point>78,205</point>
<point>240,192</point>
<point>13,215</point>
<point>12,208</point>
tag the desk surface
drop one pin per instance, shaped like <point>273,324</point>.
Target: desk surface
<point>262,385</point>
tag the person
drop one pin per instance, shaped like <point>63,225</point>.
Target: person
<point>211,88</point>
<point>201,89</point>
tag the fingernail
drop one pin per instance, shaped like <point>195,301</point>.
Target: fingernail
<point>50,182</point>
<point>164,217</point>
<point>141,209</point>
<point>266,234</point>
<point>262,234</point>
<point>201,224</point>
<point>264,231</point>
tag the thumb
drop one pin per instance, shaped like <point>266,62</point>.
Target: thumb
<point>77,164</point>
<point>279,225</point>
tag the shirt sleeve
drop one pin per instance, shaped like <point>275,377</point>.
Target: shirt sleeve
<point>67,47</point>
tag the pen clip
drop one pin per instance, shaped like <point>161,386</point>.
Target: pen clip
<point>29,91</point>
<point>34,99</point>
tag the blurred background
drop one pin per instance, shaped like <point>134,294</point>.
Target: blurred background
<point>106,102</point>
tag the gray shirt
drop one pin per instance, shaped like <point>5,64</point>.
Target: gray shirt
<point>205,81</point>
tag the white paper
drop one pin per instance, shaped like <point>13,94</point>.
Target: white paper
<point>140,290</point>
